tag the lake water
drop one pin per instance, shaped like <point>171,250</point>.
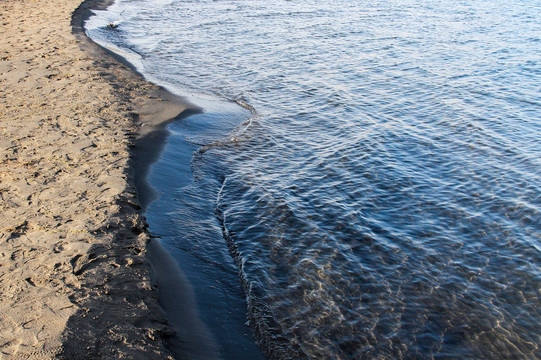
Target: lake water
<point>371,170</point>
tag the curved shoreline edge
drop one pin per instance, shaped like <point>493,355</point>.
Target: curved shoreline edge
<point>75,279</point>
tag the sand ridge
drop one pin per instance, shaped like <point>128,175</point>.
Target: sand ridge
<point>74,280</point>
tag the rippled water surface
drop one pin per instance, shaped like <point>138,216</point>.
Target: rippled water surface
<point>383,200</point>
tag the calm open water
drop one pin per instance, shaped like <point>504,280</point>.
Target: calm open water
<point>382,198</point>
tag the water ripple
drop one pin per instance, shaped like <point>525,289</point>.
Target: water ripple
<point>384,200</point>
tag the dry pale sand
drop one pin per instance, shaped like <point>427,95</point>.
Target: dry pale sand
<point>74,279</point>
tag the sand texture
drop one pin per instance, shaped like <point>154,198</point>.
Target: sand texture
<point>74,280</point>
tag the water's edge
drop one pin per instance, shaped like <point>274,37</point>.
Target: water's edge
<point>175,293</point>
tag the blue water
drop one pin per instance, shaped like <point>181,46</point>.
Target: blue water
<point>382,198</point>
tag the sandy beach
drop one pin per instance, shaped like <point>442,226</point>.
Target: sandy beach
<point>74,278</point>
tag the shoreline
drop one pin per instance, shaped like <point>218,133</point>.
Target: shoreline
<point>75,277</point>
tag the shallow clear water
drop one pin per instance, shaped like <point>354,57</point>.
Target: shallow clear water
<point>383,200</point>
